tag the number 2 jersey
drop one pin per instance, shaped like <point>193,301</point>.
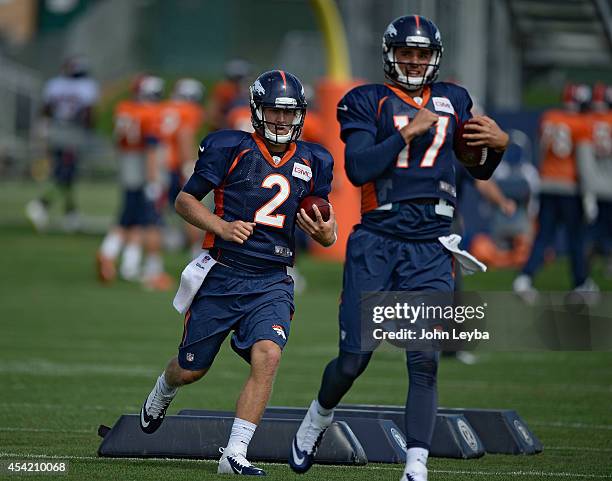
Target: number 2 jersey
<point>253,185</point>
<point>424,169</point>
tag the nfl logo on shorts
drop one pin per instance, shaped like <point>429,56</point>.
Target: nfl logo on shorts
<point>190,357</point>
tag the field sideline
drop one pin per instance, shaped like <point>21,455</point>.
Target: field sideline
<point>74,355</point>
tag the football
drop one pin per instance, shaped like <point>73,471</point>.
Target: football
<point>468,155</point>
<point>321,204</point>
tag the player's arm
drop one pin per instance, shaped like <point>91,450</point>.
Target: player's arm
<point>153,187</point>
<point>197,214</point>
<point>209,172</point>
<point>361,148</point>
<point>491,191</point>
<point>186,141</point>
<point>589,178</point>
<point>483,131</point>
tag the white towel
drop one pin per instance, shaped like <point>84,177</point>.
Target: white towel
<point>468,262</point>
<point>191,280</point>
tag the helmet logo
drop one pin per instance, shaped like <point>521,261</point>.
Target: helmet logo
<point>258,88</point>
<point>391,30</point>
<point>437,35</point>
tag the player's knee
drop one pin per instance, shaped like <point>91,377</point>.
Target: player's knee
<point>189,377</point>
<point>267,354</point>
<point>352,365</point>
<point>424,371</point>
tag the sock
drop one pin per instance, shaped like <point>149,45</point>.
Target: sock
<point>111,245</point>
<point>320,410</point>
<point>153,266</point>
<point>416,455</point>
<point>242,432</point>
<point>130,262</point>
<point>164,387</point>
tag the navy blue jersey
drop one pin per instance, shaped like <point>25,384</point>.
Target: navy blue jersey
<point>252,185</point>
<point>423,169</point>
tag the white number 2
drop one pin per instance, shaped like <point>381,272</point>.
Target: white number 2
<point>264,213</point>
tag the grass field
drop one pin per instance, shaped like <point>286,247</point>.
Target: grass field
<point>74,355</point>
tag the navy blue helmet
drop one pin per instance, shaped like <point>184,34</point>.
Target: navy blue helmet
<point>281,90</point>
<point>411,31</point>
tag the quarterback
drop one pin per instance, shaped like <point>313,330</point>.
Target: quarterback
<point>259,180</point>
<point>399,150</point>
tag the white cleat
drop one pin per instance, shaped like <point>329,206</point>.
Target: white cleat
<point>523,287</point>
<point>235,463</point>
<point>154,409</point>
<point>415,472</point>
<point>307,439</point>
<point>37,214</point>
<point>588,291</point>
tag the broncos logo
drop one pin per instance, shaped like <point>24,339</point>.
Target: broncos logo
<point>257,88</point>
<point>391,31</point>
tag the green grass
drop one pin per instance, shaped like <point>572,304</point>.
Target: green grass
<point>73,356</point>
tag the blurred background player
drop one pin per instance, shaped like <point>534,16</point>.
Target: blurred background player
<point>399,150</point>
<point>67,118</point>
<point>229,93</point>
<point>182,118</point>
<point>597,171</point>
<point>137,142</point>
<point>564,197</point>
<point>259,181</point>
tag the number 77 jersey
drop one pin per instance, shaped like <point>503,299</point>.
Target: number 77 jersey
<point>424,168</point>
<point>254,186</point>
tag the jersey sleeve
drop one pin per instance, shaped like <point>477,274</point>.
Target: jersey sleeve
<point>215,155</point>
<point>357,111</point>
<point>323,172</point>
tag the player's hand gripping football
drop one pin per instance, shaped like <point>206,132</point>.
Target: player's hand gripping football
<point>237,231</point>
<point>420,124</point>
<point>483,131</point>
<point>323,232</point>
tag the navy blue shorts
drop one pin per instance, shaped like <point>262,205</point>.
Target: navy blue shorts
<point>376,263</point>
<point>64,166</point>
<point>255,306</point>
<point>137,210</point>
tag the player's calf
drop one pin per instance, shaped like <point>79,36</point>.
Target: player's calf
<point>154,408</point>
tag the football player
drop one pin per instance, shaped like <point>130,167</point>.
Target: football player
<point>597,171</point>
<point>229,92</point>
<point>564,196</point>
<point>69,100</point>
<point>399,150</point>
<point>137,138</point>
<point>182,117</point>
<point>259,180</point>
